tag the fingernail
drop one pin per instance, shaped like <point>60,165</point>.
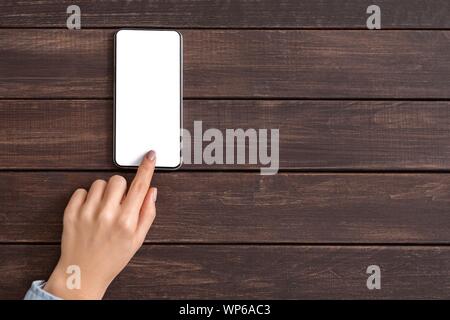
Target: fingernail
<point>151,155</point>
<point>155,194</point>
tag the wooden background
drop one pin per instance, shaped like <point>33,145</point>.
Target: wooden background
<point>364,119</point>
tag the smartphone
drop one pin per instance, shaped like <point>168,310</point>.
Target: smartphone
<point>148,97</point>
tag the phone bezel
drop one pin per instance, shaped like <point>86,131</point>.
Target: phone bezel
<point>181,100</point>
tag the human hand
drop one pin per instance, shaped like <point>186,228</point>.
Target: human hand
<point>103,229</point>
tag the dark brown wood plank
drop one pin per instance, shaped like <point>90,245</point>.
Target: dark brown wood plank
<point>246,207</point>
<point>227,14</point>
<point>55,63</point>
<point>56,134</point>
<point>243,272</point>
<point>379,135</point>
<point>238,63</point>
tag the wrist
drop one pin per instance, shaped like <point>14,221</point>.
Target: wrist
<point>57,285</point>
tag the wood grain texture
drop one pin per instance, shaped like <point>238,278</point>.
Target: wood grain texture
<point>249,208</point>
<point>56,134</point>
<point>420,14</point>
<point>238,63</point>
<point>258,272</point>
<point>242,235</point>
<point>378,135</point>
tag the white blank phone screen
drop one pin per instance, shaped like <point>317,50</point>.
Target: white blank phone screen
<point>148,97</point>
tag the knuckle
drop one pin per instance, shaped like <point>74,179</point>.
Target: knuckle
<point>106,217</point>
<point>85,214</point>
<point>81,191</point>
<point>141,186</point>
<point>117,179</point>
<point>99,183</point>
<point>108,207</point>
<point>126,225</point>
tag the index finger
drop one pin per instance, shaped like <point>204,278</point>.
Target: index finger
<point>141,184</point>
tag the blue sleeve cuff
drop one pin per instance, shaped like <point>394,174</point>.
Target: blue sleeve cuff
<point>36,292</point>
